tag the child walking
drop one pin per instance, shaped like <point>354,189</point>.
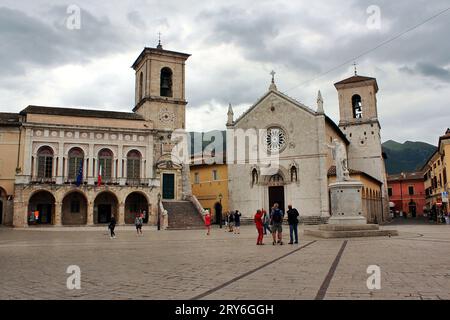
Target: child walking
<point>208,222</point>
<point>259,227</point>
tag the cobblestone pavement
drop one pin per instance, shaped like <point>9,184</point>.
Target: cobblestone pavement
<point>189,264</point>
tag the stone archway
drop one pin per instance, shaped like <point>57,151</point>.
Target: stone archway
<point>74,209</point>
<point>41,208</point>
<point>136,203</point>
<point>106,206</point>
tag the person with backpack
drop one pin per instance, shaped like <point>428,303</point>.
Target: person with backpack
<point>112,226</point>
<point>138,221</point>
<point>259,227</point>
<point>293,214</point>
<point>237,222</point>
<point>276,218</point>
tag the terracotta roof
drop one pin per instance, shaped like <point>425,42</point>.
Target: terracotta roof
<point>9,119</point>
<point>73,112</point>
<point>356,79</point>
<point>406,176</point>
<point>332,172</point>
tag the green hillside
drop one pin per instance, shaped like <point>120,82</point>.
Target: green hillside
<point>407,157</point>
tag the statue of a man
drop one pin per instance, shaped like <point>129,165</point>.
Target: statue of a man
<point>340,157</point>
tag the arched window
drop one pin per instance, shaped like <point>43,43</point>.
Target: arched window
<point>276,178</point>
<point>76,158</point>
<point>45,162</point>
<point>141,87</point>
<point>166,82</point>
<point>133,165</point>
<point>357,106</point>
<point>254,177</point>
<point>105,160</point>
<point>294,174</point>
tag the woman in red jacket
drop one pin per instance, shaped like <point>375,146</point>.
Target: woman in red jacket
<point>259,227</point>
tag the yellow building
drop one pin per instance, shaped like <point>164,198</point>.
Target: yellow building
<point>437,178</point>
<point>210,186</point>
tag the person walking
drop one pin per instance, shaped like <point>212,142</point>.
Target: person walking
<point>138,221</point>
<point>208,222</point>
<point>231,221</point>
<point>276,217</point>
<point>293,215</point>
<point>259,227</point>
<point>112,226</point>
<point>237,222</point>
<point>266,221</point>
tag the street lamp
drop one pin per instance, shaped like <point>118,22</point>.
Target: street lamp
<point>159,211</point>
<point>220,201</point>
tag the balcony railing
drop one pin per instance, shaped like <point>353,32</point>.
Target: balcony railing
<point>43,180</point>
<point>136,182</point>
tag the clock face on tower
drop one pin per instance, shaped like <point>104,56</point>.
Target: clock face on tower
<point>166,116</point>
<point>275,139</point>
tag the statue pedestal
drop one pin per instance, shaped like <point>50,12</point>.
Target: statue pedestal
<point>346,203</point>
<point>347,220</point>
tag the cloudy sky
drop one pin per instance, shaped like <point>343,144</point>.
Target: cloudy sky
<point>234,46</point>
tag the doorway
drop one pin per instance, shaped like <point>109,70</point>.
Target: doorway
<point>168,186</point>
<point>104,213</point>
<point>1,212</point>
<point>218,210</point>
<point>276,195</point>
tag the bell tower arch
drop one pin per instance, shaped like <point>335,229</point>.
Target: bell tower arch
<point>160,87</point>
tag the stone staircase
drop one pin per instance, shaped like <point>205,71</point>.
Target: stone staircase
<point>183,215</point>
<point>312,220</point>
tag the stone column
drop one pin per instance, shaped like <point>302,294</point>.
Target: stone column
<point>121,219</point>
<point>20,217</point>
<point>58,214</point>
<point>90,213</point>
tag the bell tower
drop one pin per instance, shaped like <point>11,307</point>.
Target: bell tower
<point>160,87</point>
<point>359,122</point>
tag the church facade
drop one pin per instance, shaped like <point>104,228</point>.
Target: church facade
<point>82,167</point>
<point>301,137</point>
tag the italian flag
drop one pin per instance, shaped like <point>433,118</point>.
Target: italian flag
<point>99,181</point>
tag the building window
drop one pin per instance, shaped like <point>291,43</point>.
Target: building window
<point>293,174</point>
<point>105,160</point>
<point>75,206</point>
<point>215,175</point>
<point>141,86</point>
<point>45,162</point>
<point>254,176</point>
<point>357,106</point>
<point>410,190</point>
<point>133,165</point>
<point>76,158</point>
<point>166,82</point>
<point>390,192</point>
<point>196,178</point>
<point>444,173</point>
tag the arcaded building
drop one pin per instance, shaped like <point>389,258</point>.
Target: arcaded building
<point>65,166</point>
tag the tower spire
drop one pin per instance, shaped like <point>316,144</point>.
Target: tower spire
<point>230,115</point>
<point>354,66</point>
<point>320,103</point>
<point>272,84</point>
<point>159,46</point>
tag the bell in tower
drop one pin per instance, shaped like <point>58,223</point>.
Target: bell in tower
<point>166,82</point>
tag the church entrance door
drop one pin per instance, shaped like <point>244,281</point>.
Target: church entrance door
<point>168,186</point>
<point>276,195</point>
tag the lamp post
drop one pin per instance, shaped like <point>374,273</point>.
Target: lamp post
<point>220,201</point>
<point>159,211</point>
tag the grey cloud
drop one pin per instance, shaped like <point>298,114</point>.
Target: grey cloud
<point>26,40</point>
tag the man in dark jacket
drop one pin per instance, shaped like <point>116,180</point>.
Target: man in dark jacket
<point>293,223</point>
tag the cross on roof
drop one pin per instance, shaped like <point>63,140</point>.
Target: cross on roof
<point>273,75</point>
<point>354,65</point>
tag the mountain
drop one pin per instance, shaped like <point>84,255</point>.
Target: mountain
<point>407,157</point>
